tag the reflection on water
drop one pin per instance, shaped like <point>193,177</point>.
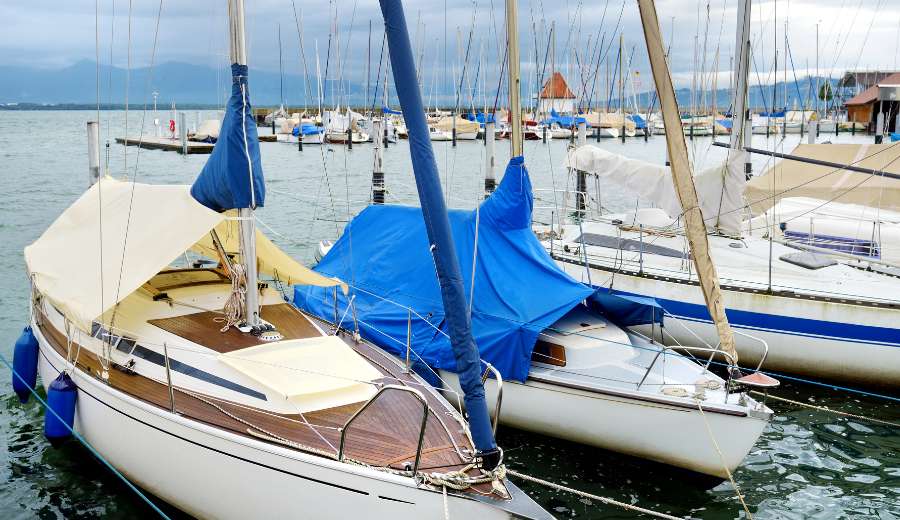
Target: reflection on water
<point>808,463</point>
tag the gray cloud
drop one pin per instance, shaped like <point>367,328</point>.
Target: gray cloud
<point>53,34</point>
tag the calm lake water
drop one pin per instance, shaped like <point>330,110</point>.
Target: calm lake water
<point>808,464</point>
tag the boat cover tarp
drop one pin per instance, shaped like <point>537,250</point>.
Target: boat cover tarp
<point>565,121</point>
<point>653,182</point>
<point>84,277</point>
<point>307,129</point>
<point>233,176</point>
<point>639,122</point>
<point>463,126</point>
<point>797,179</point>
<point>388,110</point>
<point>519,289</point>
<point>627,310</point>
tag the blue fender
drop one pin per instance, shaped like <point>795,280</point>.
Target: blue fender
<point>59,418</point>
<point>25,359</point>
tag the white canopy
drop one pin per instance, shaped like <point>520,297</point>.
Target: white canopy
<point>721,207</point>
<point>796,179</point>
<point>118,235</point>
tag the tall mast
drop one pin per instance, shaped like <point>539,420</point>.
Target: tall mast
<point>682,176</point>
<point>247,223</point>
<point>515,104</point>
<point>280,69</point>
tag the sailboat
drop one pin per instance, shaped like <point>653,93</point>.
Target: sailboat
<point>820,316</point>
<point>205,388</point>
<point>570,368</point>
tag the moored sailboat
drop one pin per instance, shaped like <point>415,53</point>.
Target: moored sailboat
<point>202,386</point>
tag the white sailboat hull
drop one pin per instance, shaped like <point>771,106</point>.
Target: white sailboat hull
<point>814,337</point>
<point>211,473</point>
<point>672,435</point>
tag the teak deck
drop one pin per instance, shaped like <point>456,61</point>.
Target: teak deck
<point>386,434</point>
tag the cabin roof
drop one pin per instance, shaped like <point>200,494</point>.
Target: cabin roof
<point>871,94</point>
<point>556,88</point>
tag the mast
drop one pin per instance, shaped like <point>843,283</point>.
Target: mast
<point>247,223</point>
<point>280,69</point>
<point>682,176</point>
<point>515,103</point>
<point>437,224</point>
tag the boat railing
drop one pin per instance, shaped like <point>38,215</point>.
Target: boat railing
<point>490,368</point>
<point>765,347</point>
<point>381,391</point>
<point>712,351</point>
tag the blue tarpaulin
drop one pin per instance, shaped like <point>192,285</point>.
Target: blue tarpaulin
<point>626,309</point>
<point>895,137</point>
<point>387,110</point>
<point>563,121</point>
<point>233,177</point>
<point>481,118</point>
<point>519,289</point>
<point>779,113</point>
<point>639,122</point>
<point>724,123</point>
<point>307,129</point>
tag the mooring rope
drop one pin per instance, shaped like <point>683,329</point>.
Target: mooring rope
<point>712,437</point>
<point>826,409</point>
<point>590,496</point>
<point>86,444</point>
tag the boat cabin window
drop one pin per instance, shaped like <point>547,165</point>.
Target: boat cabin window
<point>549,353</point>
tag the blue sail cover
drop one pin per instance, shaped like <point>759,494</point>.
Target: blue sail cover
<point>233,177</point>
<point>387,110</point>
<point>437,224</point>
<point>519,289</point>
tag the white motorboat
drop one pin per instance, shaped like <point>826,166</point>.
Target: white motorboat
<point>439,135</point>
<point>558,132</point>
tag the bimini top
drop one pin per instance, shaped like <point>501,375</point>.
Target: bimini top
<point>519,290</point>
<point>118,235</point>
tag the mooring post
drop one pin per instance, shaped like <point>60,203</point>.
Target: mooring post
<point>93,135</point>
<point>813,131</point>
<point>489,181</point>
<point>349,138</point>
<point>879,128</point>
<point>544,134</point>
<point>378,168</point>
<point>582,133</point>
<point>182,131</point>
<point>748,142</point>
<point>453,134</point>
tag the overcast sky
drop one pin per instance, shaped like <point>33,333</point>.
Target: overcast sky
<point>53,33</point>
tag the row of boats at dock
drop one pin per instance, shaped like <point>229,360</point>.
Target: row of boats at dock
<point>166,327</point>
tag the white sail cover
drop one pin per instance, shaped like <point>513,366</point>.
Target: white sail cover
<point>720,204</point>
<point>788,179</point>
<point>118,235</point>
<point>463,126</point>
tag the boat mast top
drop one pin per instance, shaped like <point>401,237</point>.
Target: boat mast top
<point>515,103</point>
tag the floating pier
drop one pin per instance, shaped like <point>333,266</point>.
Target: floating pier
<point>176,145</point>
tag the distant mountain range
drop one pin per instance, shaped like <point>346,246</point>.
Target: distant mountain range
<point>196,85</point>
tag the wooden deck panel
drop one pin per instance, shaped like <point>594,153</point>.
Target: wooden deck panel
<point>203,329</point>
<point>386,434</point>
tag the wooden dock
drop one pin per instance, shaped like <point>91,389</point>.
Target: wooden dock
<point>174,145</point>
<point>165,143</point>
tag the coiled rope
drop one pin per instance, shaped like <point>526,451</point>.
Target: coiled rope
<point>234,306</point>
